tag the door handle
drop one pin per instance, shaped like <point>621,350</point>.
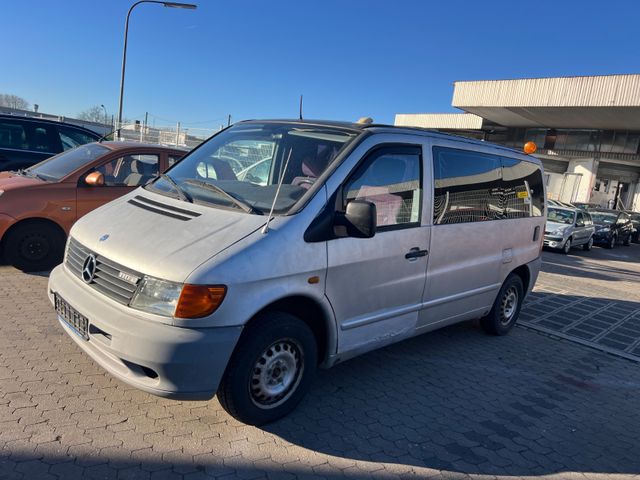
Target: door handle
<point>415,252</point>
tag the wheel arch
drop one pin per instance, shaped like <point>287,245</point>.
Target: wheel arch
<point>524,272</point>
<point>315,315</point>
<point>34,221</point>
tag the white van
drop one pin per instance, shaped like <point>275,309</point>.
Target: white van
<point>277,247</point>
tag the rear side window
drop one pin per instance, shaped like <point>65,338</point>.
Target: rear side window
<point>12,135</point>
<point>40,138</point>
<point>467,186</point>
<point>523,188</point>
<point>476,187</point>
<point>71,138</point>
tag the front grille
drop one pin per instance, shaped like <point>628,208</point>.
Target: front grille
<point>111,279</point>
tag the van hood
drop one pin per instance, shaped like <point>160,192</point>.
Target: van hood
<point>148,232</point>
<point>11,181</point>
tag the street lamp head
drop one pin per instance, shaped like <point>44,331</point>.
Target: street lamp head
<point>187,6</point>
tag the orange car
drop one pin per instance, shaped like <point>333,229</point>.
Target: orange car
<point>39,205</point>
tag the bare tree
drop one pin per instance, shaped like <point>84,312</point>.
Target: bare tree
<point>93,114</point>
<point>13,101</point>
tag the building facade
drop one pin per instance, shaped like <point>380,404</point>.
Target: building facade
<point>587,130</point>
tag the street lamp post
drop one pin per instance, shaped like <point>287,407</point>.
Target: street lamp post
<point>188,6</point>
<point>105,114</point>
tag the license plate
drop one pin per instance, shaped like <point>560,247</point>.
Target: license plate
<point>78,323</point>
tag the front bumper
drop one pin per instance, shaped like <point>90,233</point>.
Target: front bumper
<point>553,242</point>
<point>602,238</point>
<point>168,361</point>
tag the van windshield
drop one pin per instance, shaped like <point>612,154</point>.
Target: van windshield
<point>245,163</point>
<point>56,168</point>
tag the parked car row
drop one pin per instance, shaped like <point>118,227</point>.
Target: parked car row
<point>571,226</point>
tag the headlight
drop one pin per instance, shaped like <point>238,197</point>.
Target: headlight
<point>157,296</point>
<point>605,229</point>
<point>175,299</point>
<point>1,192</point>
<point>557,233</point>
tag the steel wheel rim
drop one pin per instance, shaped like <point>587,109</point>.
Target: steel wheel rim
<point>567,246</point>
<point>508,305</point>
<point>590,243</point>
<point>276,373</point>
<point>34,247</point>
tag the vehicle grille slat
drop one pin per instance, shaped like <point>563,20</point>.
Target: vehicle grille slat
<point>114,291</point>
<point>107,278</point>
<point>121,284</point>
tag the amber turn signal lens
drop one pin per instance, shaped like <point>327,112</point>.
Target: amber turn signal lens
<point>198,301</point>
<point>530,148</point>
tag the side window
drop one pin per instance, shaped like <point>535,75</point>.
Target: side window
<point>391,178</point>
<point>580,219</point>
<point>40,138</point>
<point>72,138</point>
<point>587,219</point>
<point>523,188</point>
<point>467,186</point>
<point>130,170</point>
<point>173,159</point>
<point>12,135</point>
<point>622,219</point>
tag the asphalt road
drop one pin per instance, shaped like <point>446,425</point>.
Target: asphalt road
<point>451,404</point>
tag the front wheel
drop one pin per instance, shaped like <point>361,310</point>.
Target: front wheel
<point>33,247</point>
<point>612,242</point>
<point>567,246</point>
<point>270,370</point>
<point>627,241</point>
<point>587,246</point>
<point>506,307</point>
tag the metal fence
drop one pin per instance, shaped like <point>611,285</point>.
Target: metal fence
<point>169,136</point>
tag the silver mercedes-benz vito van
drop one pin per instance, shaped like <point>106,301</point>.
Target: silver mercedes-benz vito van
<point>279,246</point>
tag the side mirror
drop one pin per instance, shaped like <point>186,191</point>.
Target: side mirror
<point>360,219</point>
<point>94,179</point>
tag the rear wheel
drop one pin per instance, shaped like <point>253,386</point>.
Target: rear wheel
<point>270,370</point>
<point>587,246</point>
<point>506,307</point>
<point>34,247</point>
<point>567,246</point>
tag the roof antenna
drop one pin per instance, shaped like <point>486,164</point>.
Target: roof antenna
<point>300,106</point>
<point>265,229</point>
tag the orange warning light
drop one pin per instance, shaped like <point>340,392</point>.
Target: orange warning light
<point>529,148</point>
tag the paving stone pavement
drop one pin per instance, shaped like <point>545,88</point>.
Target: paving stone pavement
<point>590,298</point>
<point>453,404</point>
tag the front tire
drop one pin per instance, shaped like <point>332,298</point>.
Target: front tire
<point>506,307</point>
<point>567,246</point>
<point>270,370</point>
<point>627,241</point>
<point>612,242</point>
<point>34,247</point>
<point>587,246</point>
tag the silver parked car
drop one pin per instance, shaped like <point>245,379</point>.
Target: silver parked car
<point>568,227</point>
<point>219,279</point>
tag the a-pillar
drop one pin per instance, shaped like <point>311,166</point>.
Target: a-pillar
<point>588,168</point>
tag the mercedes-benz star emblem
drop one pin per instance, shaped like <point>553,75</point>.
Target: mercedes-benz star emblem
<point>89,268</point>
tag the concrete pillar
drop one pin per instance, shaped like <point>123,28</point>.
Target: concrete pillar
<point>588,168</point>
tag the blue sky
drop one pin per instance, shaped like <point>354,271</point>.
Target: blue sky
<point>253,59</point>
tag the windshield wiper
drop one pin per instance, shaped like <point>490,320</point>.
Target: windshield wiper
<point>210,186</point>
<point>181,193</point>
